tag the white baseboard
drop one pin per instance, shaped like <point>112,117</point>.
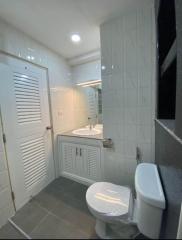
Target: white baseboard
<point>78,179</point>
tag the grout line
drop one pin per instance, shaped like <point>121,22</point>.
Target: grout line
<point>43,208</point>
<point>41,221</point>
<point>50,212</point>
<point>57,217</point>
<point>19,229</point>
<point>68,222</point>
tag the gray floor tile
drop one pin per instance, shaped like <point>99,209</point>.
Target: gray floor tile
<point>59,211</point>
<point>29,217</point>
<point>9,232</point>
<point>51,197</point>
<point>73,202</point>
<point>66,186</point>
<point>78,191</point>
<point>54,228</point>
<point>79,218</point>
<point>46,199</point>
<point>62,184</point>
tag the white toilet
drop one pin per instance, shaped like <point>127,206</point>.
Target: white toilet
<point>114,204</point>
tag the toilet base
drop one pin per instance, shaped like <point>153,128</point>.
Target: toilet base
<point>101,229</point>
<point>115,231</point>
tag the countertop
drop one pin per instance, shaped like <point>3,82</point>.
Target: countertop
<point>70,134</point>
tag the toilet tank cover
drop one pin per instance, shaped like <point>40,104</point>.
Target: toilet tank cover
<point>148,185</point>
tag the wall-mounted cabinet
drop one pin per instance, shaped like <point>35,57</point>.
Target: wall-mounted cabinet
<point>80,161</point>
<point>167,52</point>
<point>169,22</point>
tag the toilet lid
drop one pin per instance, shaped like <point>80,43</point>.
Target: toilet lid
<point>108,198</point>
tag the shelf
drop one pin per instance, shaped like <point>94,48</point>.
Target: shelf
<point>169,127</point>
<point>169,58</point>
<point>168,123</point>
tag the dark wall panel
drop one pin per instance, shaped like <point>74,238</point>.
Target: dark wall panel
<point>179,68</point>
<point>169,160</point>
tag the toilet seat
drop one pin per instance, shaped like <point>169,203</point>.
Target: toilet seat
<point>108,201</point>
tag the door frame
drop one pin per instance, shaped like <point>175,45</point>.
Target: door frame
<point>5,54</point>
<point>7,163</point>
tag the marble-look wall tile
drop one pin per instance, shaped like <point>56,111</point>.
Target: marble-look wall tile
<point>178,127</point>
<point>128,63</point>
<point>168,158</point>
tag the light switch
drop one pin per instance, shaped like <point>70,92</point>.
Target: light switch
<point>60,114</point>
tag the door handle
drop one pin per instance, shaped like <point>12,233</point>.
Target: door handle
<point>76,151</point>
<point>107,143</point>
<point>80,152</point>
<point>48,128</point>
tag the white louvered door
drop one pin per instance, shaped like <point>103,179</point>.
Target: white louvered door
<point>68,157</point>
<point>25,110</point>
<point>92,157</point>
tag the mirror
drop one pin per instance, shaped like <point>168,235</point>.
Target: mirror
<point>93,103</point>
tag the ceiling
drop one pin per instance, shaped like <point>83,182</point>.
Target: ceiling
<point>52,21</point>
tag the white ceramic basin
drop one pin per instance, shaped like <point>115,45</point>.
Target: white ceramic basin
<point>86,132</point>
<point>99,126</point>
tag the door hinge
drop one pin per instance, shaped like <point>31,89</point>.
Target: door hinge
<point>13,196</point>
<point>4,138</point>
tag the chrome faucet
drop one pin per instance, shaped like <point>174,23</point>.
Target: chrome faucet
<point>90,124</point>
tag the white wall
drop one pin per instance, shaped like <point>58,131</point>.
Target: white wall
<point>6,205</point>
<point>128,53</point>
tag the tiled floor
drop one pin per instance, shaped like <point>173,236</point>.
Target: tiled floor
<point>9,232</point>
<point>59,211</point>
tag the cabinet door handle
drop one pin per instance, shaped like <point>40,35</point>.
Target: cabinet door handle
<point>49,128</point>
<point>76,151</point>
<point>80,152</point>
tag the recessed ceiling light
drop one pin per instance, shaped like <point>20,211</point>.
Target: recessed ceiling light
<point>75,38</point>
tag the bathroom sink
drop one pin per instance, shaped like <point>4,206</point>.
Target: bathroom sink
<point>86,132</point>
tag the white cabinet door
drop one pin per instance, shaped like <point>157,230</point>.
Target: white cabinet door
<point>81,161</point>
<point>68,157</point>
<point>72,159</point>
<point>93,162</point>
<point>25,114</point>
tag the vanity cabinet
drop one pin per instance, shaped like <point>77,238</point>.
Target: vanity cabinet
<point>80,161</point>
